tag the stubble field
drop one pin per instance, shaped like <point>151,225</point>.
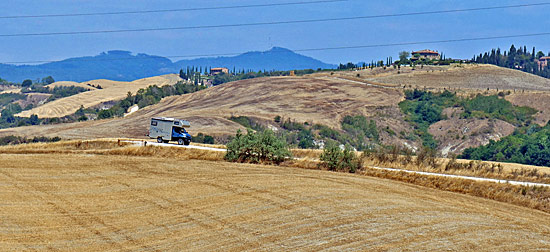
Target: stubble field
<point>76,202</point>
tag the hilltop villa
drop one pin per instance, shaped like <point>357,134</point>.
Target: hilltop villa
<point>425,54</point>
<point>219,70</point>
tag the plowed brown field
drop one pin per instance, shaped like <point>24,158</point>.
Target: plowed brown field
<point>75,202</point>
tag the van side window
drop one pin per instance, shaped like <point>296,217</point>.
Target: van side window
<point>154,123</point>
<point>176,123</point>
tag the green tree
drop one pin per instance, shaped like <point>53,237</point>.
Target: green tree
<point>263,147</point>
<point>48,80</point>
<point>335,159</point>
<point>27,83</point>
<point>404,56</point>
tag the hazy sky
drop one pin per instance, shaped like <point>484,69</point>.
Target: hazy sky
<point>242,39</point>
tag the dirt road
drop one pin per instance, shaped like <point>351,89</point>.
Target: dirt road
<point>75,202</point>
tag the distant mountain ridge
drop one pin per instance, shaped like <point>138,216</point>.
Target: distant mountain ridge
<point>124,66</point>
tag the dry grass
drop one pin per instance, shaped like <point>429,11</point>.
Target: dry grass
<point>482,169</point>
<point>83,202</point>
<point>531,197</point>
<point>111,91</point>
<point>112,147</point>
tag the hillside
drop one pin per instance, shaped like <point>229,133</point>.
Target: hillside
<point>304,99</point>
<point>81,202</point>
<point>110,91</point>
<point>125,66</point>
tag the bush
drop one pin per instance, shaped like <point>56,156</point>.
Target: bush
<point>202,138</point>
<point>263,147</point>
<point>335,159</point>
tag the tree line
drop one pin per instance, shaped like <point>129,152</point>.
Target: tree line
<point>515,58</point>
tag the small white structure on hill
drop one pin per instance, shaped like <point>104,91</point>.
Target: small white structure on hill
<point>132,110</point>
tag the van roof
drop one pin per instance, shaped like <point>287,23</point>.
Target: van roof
<point>183,123</point>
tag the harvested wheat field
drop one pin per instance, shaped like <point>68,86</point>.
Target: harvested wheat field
<point>75,202</point>
<point>110,91</point>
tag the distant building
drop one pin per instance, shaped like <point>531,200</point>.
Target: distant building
<point>543,61</point>
<point>425,54</point>
<point>219,70</point>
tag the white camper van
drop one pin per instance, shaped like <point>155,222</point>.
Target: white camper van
<point>169,129</point>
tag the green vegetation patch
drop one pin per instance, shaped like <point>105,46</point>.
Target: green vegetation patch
<point>498,108</point>
<point>202,138</point>
<point>529,145</point>
<point>247,122</point>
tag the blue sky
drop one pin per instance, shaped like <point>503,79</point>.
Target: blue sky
<point>242,39</point>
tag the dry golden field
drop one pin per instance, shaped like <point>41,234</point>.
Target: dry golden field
<point>76,202</point>
<point>111,91</point>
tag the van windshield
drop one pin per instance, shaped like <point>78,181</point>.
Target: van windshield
<point>179,130</point>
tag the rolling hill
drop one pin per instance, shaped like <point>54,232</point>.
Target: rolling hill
<point>325,98</point>
<point>124,66</point>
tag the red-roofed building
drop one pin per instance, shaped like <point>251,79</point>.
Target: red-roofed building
<point>543,61</point>
<point>219,70</point>
<point>425,54</point>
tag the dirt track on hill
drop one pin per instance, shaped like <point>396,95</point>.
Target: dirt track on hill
<point>87,202</point>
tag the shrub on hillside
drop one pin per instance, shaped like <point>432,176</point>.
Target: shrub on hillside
<point>335,159</point>
<point>202,138</point>
<point>262,147</point>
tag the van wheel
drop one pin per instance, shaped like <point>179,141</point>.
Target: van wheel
<point>180,141</point>
<point>159,139</point>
